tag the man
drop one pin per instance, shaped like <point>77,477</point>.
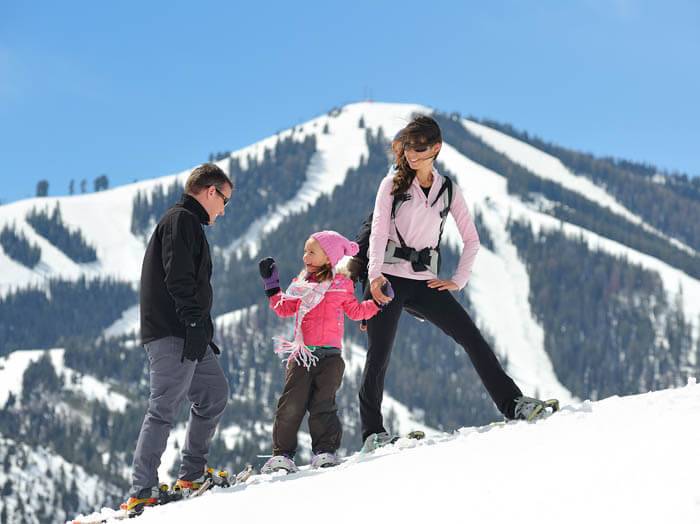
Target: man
<point>176,331</point>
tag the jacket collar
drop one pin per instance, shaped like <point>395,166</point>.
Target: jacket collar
<point>437,184</point>
<point>191,204</point>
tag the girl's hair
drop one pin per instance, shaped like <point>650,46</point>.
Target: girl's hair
<point>323,274</point>
<point>421,131</point>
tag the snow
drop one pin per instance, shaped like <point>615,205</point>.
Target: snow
<point>499,286</point>
<point>127,324</point>
<point>622,459</point>
<point>13,366</point>
<point>104,220</point>
<point>336,152</point>
<point>406,420</point>
<point>488,190</point>
<point>230,320</point>
<point>32,472</point>
<point>551,168</point>
<point>171,455</point>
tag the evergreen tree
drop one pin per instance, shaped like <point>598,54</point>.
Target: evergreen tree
<point>55,231</point>
<point>42,188</point>
<point>86,307</point>
<point>101,183</point>
<point>568,205</point>
<point>669,202</point>
<point>18,248</point>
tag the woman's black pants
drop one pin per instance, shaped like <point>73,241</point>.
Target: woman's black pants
<point>442,309</point>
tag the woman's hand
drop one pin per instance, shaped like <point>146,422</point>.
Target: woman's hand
<point>442,285</point>
<point>376,289</point>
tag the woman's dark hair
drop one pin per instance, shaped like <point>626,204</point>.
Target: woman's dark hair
<point>205,176</point>
<point>421,131</point>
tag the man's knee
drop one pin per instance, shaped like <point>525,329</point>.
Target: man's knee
<point>219,399</point>
<point>161,411</point>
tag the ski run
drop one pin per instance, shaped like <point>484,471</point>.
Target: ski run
<point>622,459</point>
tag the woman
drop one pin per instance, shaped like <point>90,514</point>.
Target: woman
<point>402,251</point>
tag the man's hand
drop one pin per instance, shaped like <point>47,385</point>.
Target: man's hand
<point>195,343</point>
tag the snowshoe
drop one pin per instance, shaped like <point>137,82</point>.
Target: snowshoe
<point>379,440</point>
<point>414,435</point>
<point>153,496</point>
<point>532,409</point>
<point>325,460</point>
<point>279,463</point>
<point>244,475</point>
<point>218,478</point>
<point>194,488</point>
<point>376,441</point>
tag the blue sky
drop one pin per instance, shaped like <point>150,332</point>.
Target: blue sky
<point>142,89</point>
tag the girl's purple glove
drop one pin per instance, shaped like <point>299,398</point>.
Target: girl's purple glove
<point>270,276</point>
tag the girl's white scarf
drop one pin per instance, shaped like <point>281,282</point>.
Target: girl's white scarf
<point>311,295</point>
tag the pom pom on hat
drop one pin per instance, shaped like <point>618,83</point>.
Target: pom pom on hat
<point>335,245</point>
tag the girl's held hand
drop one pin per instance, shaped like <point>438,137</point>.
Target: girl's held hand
<point>376,289</point>
<point>442,285</point>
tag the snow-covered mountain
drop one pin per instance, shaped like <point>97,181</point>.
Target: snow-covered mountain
<point>623,459</point>
<point>584,290</point>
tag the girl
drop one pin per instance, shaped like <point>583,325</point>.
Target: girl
<point>318,298</point>
<point>403,250</point>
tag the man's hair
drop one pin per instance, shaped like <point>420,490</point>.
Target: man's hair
<point>204,176</point>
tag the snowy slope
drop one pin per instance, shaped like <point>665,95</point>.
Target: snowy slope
<point>629,459</point>
<point>499,287</point>
<point>551,168</point>
<point>13,366</point>
<point>34,475</point>
<point>337,151</point>
<point>406,420</point>
<point>103,218</point>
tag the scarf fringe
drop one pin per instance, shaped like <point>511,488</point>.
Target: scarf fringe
<point>310,294</point>
<point>298,352</point>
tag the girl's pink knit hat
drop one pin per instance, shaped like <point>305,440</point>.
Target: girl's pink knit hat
<point>335,245</point>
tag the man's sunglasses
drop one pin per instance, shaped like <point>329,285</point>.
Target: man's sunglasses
<point>226,199</point>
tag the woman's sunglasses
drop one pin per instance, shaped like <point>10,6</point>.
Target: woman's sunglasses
<point>418,148</point>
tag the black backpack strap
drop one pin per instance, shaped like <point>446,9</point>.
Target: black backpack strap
<point>446,186</point>
<point>398,200</point>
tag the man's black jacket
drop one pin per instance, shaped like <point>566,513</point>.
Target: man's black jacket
<point>176,275</point>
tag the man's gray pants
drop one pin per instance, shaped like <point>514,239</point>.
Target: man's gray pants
<point>204,385</point>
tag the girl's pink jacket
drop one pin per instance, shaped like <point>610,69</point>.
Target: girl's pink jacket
<point>419,224</point>
<point>323,325</point>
